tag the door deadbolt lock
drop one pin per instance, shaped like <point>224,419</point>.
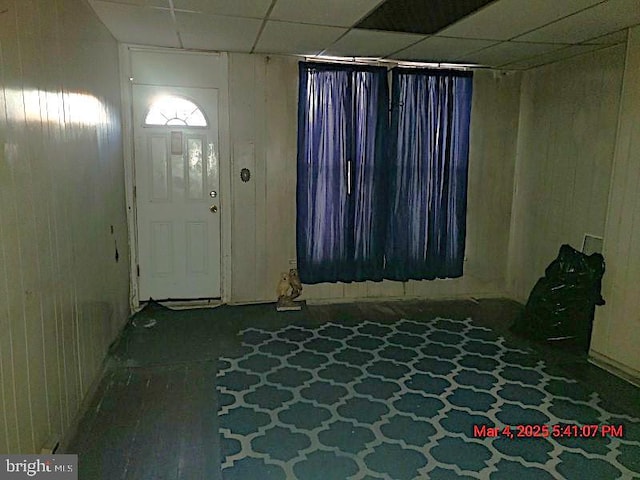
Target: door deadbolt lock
<point>213,194</point>
<point>213,208</point>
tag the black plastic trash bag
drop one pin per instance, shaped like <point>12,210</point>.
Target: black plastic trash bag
<point>562,304</point>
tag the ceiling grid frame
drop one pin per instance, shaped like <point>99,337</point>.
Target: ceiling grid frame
<point>545,31</point>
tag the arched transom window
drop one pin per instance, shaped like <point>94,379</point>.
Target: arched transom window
<point>172,110</point>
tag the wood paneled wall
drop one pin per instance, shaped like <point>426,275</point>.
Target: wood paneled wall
<point>263,119</point>
<point>263,93</point>
<point>63,294</point>
<point>616,335</point>
<point>567,132</point>
<point>494,133</point>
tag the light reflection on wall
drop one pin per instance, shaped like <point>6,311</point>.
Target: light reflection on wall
<point>54,107</point>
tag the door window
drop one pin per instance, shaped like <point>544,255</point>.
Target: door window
<point>174,111</point>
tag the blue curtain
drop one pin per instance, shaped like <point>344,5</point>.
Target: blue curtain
<point>341,222</point>
<point>429,152</point>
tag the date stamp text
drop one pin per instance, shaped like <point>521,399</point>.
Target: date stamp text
<point>552,431</point>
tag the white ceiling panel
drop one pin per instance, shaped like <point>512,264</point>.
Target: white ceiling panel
<point>506,32</point>
<point>371,43</point>
<point>508,52</point>
<point>441,49</point>
<point>550,57</point>
<point>237,8</point>
<point>130,24</point>
<point>210,32</point>
<point>142,3</point>
<point>341,13</point>
<point>604,18</point>
<point>284,37</point>
<point>610,39</point>
<point>506,19</point>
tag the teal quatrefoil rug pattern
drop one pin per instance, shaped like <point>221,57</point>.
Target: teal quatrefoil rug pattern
<point>400,401</point>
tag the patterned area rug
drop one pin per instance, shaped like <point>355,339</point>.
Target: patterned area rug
<point>409,400</point>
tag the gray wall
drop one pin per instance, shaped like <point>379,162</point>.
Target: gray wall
<point>566,139</point>
<point>263,124</point>
<point>492,154</point>
<point>616,335</point>
<point>63,297</point>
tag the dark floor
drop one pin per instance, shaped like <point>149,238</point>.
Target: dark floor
<point>154,415</point>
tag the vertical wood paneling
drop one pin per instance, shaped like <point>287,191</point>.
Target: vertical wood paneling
<point>8,417</point>
<point>18,177</point>
<point>263,114</point>
<point>356,290</point>
<point>263,223</point>
<point>61,190</point>
<point>7,406</point>
<point>280,140</point>
<point>244,94</point>
<point>243,252</point>
<point>493,136</point>
<point>616,333</point>
<point>567,131</point>
<point>386,288</point>
<point>32,67</point>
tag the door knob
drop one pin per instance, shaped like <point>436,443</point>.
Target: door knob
<point>213,208</point>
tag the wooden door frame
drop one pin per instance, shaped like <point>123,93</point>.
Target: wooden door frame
<point>126,88</point>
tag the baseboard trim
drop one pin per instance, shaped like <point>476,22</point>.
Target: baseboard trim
<point>447,298</point>
<point>624,372</point>
<point>191,304</point>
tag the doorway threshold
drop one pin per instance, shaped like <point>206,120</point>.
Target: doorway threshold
<point>188,304</point>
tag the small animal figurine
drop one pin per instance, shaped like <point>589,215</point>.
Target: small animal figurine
<point>296,284</point>
<point>283,286</point>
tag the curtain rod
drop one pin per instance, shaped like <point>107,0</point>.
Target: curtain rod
<point>381,62</point>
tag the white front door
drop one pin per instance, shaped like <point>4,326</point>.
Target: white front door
<point>177,193</point>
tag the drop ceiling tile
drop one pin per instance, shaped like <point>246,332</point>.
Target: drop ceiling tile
<point>142,3</point>
<point>551,57</point>
<point>339,13</point>
<point>296,38</point>
<point>441,49</point>
<point>371,43</point>
<point>610,39</point>
<point>211,32</point>
<point>236,8</point>
<point>508,52</point>
<point>131,24</point>
<point>604,18</point>
<point>505,19</point>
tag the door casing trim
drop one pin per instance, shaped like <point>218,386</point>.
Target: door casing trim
<point>126,92</point>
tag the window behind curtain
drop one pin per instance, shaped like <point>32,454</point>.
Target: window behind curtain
<point>428,174</point>
<point>341,209</point>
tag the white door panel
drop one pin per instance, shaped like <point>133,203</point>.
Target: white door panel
<point>176,169</point>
